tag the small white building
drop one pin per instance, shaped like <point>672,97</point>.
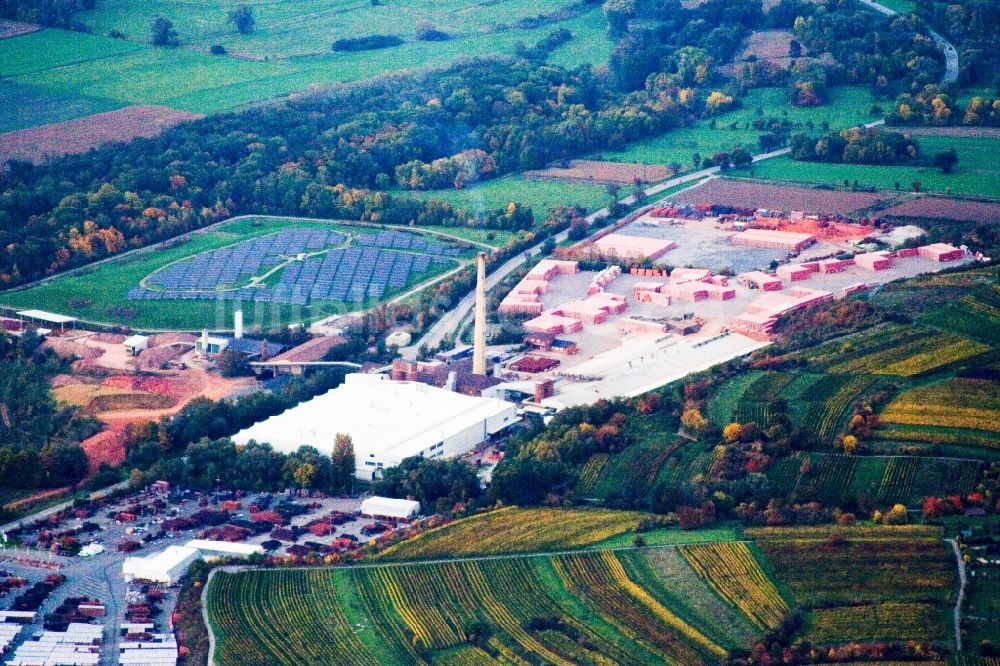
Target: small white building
<point>388,507</point>
<point>166,567</point>
<point>134,344</point>
<point>213,550</point>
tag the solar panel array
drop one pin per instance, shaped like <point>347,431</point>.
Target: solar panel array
<point>351,274</point>
<point>400,240</point>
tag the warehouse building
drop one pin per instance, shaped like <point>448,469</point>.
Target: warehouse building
<point>167,566</point>
<point>389,507</point>
<point>387,421</point>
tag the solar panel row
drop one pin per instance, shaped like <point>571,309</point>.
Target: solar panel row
<point>351,275</point>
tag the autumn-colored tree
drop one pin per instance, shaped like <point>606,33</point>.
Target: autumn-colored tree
<point>304,475</point>
<point>693,421</point>
<point>343,461</point>
<point>896,515</point>
<point>731,432</point>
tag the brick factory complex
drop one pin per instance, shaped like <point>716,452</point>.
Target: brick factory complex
<point>627,327</point>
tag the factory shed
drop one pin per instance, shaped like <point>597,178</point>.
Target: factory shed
<point>387,421</point>
<point>775,240</point>
<point>388,507</point>
<point>213,550</point>
<point>167,566</point>
<point>633,247</point>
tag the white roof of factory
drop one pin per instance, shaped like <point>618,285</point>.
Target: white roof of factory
<point>133,340</point>
<point>205,545</point>
<point>165,560</point>
<point>380,414</point>
<point>50,317</point>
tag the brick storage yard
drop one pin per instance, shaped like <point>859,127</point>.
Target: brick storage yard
<point>638,328</point>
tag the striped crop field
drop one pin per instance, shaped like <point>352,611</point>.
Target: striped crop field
<point>957,403</point>
<point>885,480</point>
<point>885,583</point>
<point>516,530</point>
<point>733,571</point>
<point>911,621</point>
<point>597,609</point>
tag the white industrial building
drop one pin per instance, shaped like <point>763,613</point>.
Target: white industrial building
<point>213,550</point>
<point>388,507</point>
<point>387,420</point>
<point>167,566</point>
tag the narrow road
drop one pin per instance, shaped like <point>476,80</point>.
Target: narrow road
<point>950,54</point>
<point>204,618</point>
<point>961,593</point>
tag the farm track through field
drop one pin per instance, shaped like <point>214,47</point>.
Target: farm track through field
<point>960,563</point>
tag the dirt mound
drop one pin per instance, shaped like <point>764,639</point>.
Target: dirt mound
<point>72,349</point>
<point>109,338</point>
<point>118,402</point>
<point>160,339</point>
<point>106,446</point>
<point>173,387</point>
<point>836,232</point>
<point>152,359</point>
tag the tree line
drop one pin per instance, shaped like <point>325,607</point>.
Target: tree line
<point>325,155</point>
<point>39,439</point>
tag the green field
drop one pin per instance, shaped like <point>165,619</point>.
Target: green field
<point>288,52</point>
<point>307,27</point>
<point>977,172</point>
<point>539,195</point>
<point>99,293</point>
<point>848,106</point>
<point>27,105</point>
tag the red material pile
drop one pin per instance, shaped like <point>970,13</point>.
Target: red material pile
<point>272,517</point>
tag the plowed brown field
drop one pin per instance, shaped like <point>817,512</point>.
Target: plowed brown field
<point>38,144</point>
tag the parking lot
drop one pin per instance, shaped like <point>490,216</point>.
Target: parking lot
<point>148,522</point>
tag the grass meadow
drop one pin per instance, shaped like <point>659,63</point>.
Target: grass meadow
<point>977,173</point>
<point>540,195</point>
<point>288,52</point>
<point>848,106</point>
